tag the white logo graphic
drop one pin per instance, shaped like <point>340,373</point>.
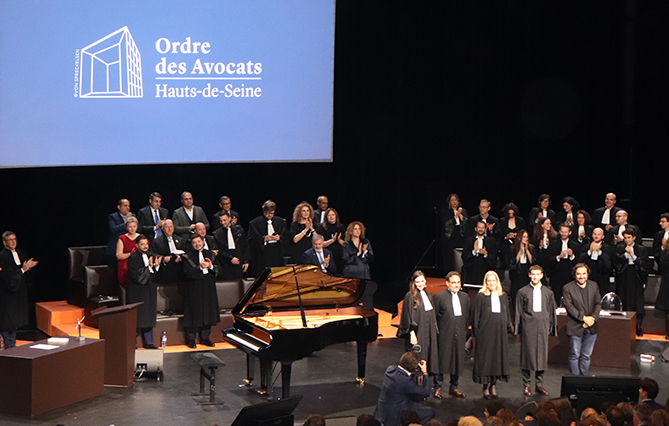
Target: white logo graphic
<point>111,67</point>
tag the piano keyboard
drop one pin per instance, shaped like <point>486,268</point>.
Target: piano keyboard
<point>244,342</point>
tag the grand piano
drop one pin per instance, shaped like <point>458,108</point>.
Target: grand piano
<point>292,311</point>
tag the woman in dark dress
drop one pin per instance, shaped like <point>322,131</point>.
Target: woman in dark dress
<point>300,231</point>
<point>333,231</point>
<point>541,239</point>
<point>509,226</point>
<point>491,322</point>
<point>581,231</point>
<point>521,258</point>
<point>662,302</point>
<point>418,324</point>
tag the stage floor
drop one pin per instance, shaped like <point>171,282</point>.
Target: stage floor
<point>326,380</point>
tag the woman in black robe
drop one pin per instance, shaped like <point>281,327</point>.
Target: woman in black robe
<point>418,324</point>
<point>333,231</point>
<point>491,322</point>
<point>300,231</point>
<point>522,257</point>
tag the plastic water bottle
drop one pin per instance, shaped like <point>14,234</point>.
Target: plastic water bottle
<point>163,340</point>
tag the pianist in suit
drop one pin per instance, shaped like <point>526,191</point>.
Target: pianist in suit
<point>319,256</point>
<point>403,387</point>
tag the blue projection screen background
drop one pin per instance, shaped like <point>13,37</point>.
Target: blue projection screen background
<point>135,82</point>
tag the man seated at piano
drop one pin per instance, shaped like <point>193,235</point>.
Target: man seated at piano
<point>319,256</point>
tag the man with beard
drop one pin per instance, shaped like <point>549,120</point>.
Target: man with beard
<point>582,302</point>
<point>599,258</point>
<point>562,258</point>
<point>186,216</point>
<point>142,269</point>
<point>233,256</point>
<point>479,255</point>
<point>266,235</point>
<point>535,322</point>
<point>631,267</point>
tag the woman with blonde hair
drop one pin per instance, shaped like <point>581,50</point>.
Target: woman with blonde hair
<point>491,322</point>
<point>125,247</point>
<point>300,231</point>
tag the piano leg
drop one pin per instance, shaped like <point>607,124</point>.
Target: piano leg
<point>250,369</point>
<point>265,375</point>
<point>285,378</point>
<point>362,361</point>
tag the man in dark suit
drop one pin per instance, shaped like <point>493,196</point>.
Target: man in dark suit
<point>660,237</point>
<point>648,390</point>
<point>170,246</point>
<point>615,235</point>
<point>319,213</point>
<point>604,217</point>
<point>479,255</point>
<point>319,256</point>
<point>583,303</point>
<point>599,257</point>
<point>201,309</point>
<point>233,256</point>
<point>543,210</point>
<point>15,278</point>
<point>631,266</point>
<point>266,235</point>
<point>451,307</point>
<point>116,222</point>
<point>226,207</point>
<point>186,216</point>
<point>152,217</point>
<point>404,385</point>
<point>485,217</point>
<point>562,254</point>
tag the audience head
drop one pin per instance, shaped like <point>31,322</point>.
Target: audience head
<point>331,217</point>
<point>593,420</point>
<point>131,224</point>
<point>469,421</point>
<point>355,229</point>
<point>506,415</point>
<point>642,414</point>
<point>492,407</point>
<point>168,227</point>
<point>648,388</point>
<point>628,411</point>
<point>302,212</point>
<point>200,229</point>
<point>547,418</point>
<point>610,200</point>
<point>409,361</point>
<point>510,210</point>
<point>491,284</point>
<point>588,412</point>
<point>187,199</point>
<point>493,421</point>
<point>409,418</point>
<point>317,241</point>
<point>614,416</point>
<point>123,206</point>
<point>9,240</point>
<point>315,420</point>
<point>155,200</point>
<point>367,420</point>
<point>268,209</point>
<point>433,422</point>
<point>659,418</point>
<point>322,202</point>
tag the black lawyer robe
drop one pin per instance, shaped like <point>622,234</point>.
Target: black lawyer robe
<point>535,327</point>
<point>561,269</point>
<point>270,254</point>
<point>14,310</point>
<point>424,324</point>
<point>201,301</point>
<point>631,278</point>
<point>491,360</point>
<point>142,288</point>
<point>452,331</point>
<point>475,266</point>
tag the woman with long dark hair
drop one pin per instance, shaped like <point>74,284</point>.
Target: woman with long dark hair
<point>522,257</point>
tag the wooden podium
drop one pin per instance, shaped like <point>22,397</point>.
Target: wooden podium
<point>118,328</point>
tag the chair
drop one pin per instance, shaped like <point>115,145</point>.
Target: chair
<point>101,290</point>
<point>81,257</point>
<point>612,302</point>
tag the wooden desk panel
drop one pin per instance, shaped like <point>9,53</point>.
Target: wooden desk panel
<point>36,380</point>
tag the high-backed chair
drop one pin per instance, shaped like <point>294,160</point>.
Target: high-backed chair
<point>101,290</point>
<point>79,258</point>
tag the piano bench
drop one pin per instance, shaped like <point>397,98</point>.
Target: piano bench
<point>207,360</point>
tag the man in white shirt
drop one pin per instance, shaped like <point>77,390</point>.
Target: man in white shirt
<point>186,216</point>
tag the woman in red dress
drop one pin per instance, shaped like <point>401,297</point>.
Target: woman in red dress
<point>124,248</point>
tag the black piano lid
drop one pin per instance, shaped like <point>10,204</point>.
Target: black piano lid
<point>275,290</point>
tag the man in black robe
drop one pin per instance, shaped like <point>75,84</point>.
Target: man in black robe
<point>143,267</point>
<point>615,235</point>
<point>604,217</point>
<point>170,246</point>
<point>233,255</point>
<point>16,276</point>
<point>562,258</point>
<point>599,258</point>
<point>226,207</point>
<point>659,237</point>
<point>201,309</point>
<point>266,236</point>
<point>451,307</point>
<point>542,210</point>
<point>536,320</point>
<point>631,276</point>
<point>583,303</point>
<point>479,255</point>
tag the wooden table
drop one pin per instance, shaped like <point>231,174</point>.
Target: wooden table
<point>35,381</point>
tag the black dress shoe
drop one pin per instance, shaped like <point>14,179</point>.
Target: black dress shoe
<point>191,344</point>
<point>151,346</point>
<point>207,343</point>
<point>639,331</point>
